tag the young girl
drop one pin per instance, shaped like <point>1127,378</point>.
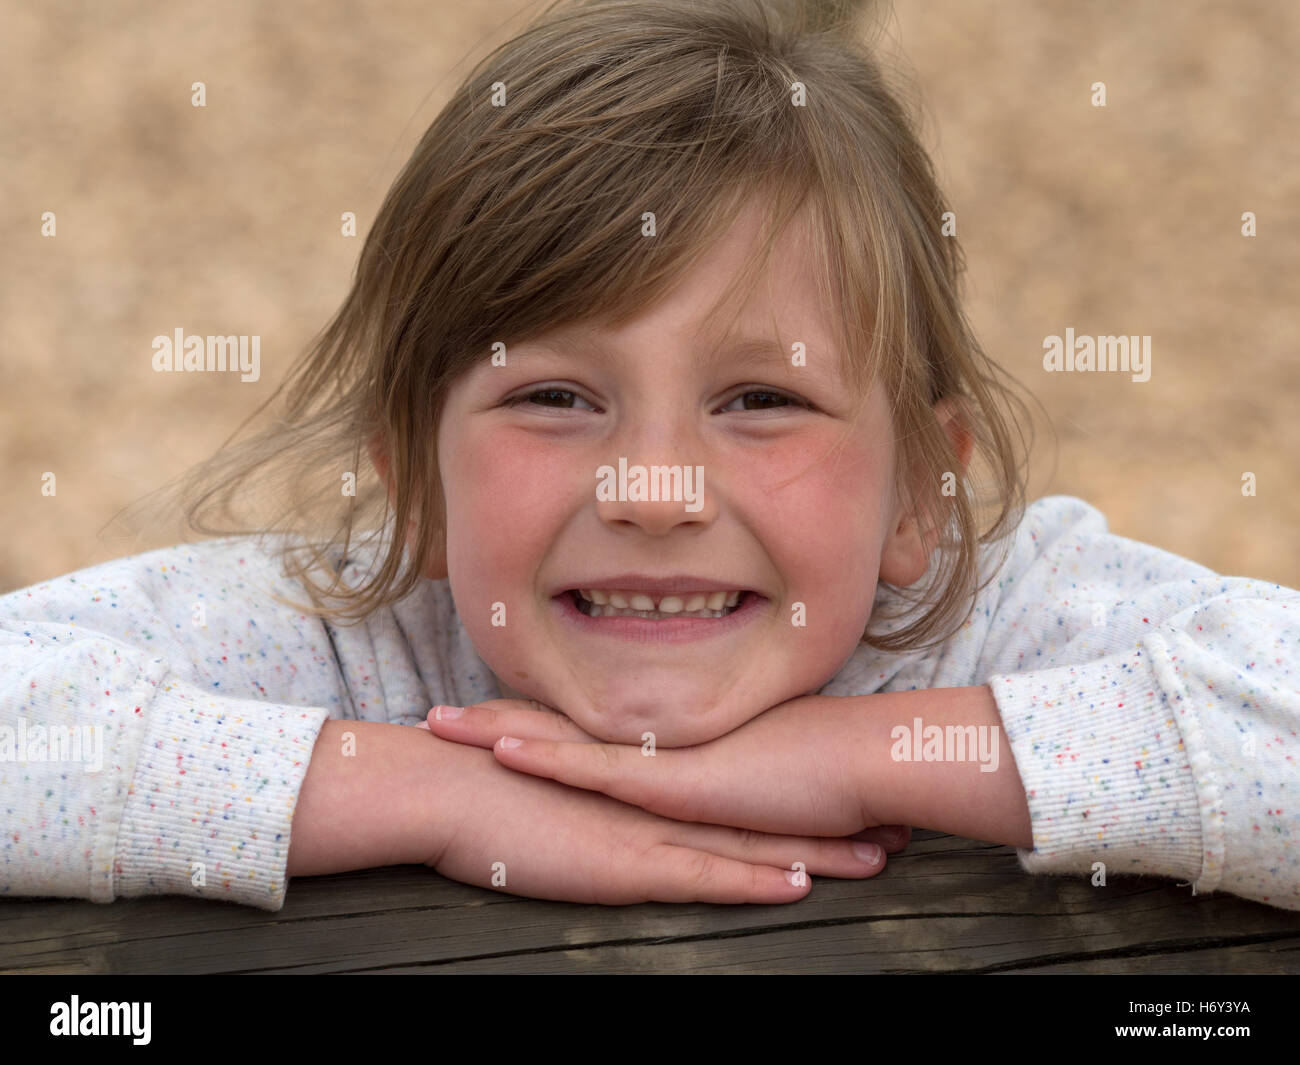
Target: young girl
<point>682,453</point>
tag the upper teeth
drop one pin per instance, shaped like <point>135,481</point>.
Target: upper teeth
<point>667,604</point>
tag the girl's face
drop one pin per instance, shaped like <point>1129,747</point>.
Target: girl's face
<point>766,509</point>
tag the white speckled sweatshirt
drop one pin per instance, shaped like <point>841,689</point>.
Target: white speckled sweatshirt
<point>1163,740</point>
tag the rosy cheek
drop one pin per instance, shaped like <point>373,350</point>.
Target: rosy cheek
<point>500,466</point>
<point>509,498</point>
<point>824,519</point>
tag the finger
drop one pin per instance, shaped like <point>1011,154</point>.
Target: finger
<point>845,859</point>
<point>620,771</point>
<point>678,783</point>
<point>680,874</point>
<point>482,724</point>
<point>892,837</point>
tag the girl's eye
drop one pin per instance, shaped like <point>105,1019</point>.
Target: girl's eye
<point>560,398</point>
<point>564,399</point>
<point>763,399</point>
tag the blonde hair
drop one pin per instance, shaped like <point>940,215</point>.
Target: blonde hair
<point>511,220</point>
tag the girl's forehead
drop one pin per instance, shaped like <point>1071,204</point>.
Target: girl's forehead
<point>704,307</point>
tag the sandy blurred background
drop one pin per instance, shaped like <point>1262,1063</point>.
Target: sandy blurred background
<point>225,220</point>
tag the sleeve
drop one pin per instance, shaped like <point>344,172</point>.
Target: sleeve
<point>1152,708</point>
<point>124,771</point>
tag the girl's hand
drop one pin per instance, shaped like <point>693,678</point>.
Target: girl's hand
<point>799,768</point>
<point>528,836</point>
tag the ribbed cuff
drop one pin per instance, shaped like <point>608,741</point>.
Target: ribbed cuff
<point>212,797</point>
<point>1106,772</point>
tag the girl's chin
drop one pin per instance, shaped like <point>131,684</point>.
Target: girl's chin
<point>665,732</point>
<point>621,714</point>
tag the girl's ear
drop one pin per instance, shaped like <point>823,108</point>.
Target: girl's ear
<point>905,554</point>
<point>437,567</point>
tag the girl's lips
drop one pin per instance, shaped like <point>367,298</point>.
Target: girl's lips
<point>667,630</point>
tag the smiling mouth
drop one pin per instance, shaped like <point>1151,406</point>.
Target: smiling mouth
<point>599,604</point>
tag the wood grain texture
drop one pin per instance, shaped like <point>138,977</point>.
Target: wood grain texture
<point>944,905</point>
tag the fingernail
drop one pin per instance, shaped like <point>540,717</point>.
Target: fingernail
<point>447,713</point>
<point>424,725</point>
<point>509,741</point>
<point>868,852</point>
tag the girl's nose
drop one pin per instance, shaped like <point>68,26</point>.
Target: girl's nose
<point>657,497</point>
<point>656,471</point>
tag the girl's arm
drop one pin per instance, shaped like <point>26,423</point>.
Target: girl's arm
<point>1151,705</point>
<point>120,779</point>
<point>967,797</point>
<point>370,799</point>
<point>156,723</point>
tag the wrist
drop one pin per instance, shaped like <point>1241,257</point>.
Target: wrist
<point>941,760</point>
<point>367,799</point>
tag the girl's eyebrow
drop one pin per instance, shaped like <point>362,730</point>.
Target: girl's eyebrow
<point>747,350</point>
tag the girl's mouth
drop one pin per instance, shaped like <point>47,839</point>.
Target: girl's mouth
<point>658,618</point>
<point>595,603</point>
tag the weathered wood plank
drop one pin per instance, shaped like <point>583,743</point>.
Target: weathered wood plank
<point>946,904</point>
<point>954,946</point>
<point>1272,956</point>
